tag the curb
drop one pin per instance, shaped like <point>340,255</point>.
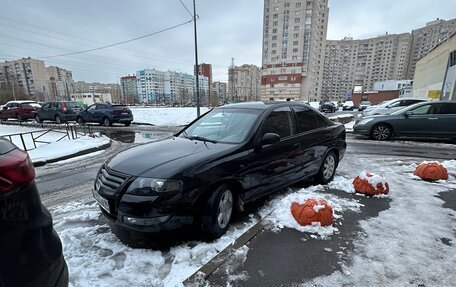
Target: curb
<point>79,153</point>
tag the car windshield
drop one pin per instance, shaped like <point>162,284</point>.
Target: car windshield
<point>223,125</point>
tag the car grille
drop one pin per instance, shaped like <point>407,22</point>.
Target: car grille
<point>111,180</point>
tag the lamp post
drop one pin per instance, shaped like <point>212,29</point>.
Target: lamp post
<point>196,61</point>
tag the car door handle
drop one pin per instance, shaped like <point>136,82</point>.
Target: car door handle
<point>297,146</point>
<point>433,118</point>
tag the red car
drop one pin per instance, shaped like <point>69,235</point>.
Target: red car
<point>20,110</point>
<point>30,249</point>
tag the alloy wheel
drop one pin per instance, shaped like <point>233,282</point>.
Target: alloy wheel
<point>381,132</point>
<point>225,209</point>
<point>329,166</point>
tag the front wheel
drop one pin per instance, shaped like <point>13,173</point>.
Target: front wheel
<point>381,132</point>
<point>217,212</point>
<point>127,124</point>
<point>328,168</point>
<point>107,122</point>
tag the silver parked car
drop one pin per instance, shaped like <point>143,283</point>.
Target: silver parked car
<point>390,106</point>
<point>436,119</point>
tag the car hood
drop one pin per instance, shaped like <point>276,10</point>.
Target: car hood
<point>166,158</point>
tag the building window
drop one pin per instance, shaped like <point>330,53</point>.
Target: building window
<point>297,20</point>
<point>274,30</point>
<point>275,16</point>
<point>296,28</point>
<point>295,50</point>
<point>295,43</point>
<point>296,35</point>
<point>298,5</point>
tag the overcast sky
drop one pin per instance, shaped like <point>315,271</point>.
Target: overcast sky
<point>226,29</point>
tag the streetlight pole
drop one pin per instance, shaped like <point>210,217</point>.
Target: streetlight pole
<point>196,62</point>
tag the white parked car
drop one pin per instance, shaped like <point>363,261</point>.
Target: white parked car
<point>348,106</point>
<point>391,106</point>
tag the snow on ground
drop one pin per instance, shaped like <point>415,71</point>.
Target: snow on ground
<point>405,244</point>
<point>165,116</point>
<point>59,144</point>
<point>349,126</point>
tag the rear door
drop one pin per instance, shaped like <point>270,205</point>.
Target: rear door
<point>100,112</point>
<point>446,120</point>
<point>13,109</point>
<point>44,113</point>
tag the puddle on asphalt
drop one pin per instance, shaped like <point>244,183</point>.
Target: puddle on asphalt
<point>137,137</point>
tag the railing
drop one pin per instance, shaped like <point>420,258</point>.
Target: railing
<point>37,137</point>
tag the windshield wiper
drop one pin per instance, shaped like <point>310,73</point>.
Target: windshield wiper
<point>199,138</point>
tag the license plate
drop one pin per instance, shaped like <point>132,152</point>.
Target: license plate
<point>103,202</point>
<point>124,113</point>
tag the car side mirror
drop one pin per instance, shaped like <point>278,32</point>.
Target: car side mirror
<point>408,113</point>
<point>270,138</point>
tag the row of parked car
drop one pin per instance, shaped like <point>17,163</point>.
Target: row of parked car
<point>63,111</point>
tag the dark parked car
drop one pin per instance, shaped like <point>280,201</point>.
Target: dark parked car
<point>59,112</point>
<point>105,114</point>
<point>228,157</point>
<point>20,110</point>
<point>428,119</point>
<point>30,249</point>
<point>328,107</point>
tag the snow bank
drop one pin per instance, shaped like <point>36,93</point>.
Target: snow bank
<point>165,116</point>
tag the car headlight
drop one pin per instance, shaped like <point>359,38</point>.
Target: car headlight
<point>151,186</point>
<point>363,122</point>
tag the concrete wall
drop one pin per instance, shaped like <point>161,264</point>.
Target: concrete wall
<point>374,98</point>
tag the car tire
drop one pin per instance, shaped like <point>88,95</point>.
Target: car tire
<point>127,124</point>
<point>58,119</point>
<point>37,118</point>
<point>381,132</point>
<point>328,168</point>
<point>107,122</point>
<point>218,212</point>
<point>80,121</point>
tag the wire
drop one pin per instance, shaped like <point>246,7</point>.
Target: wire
<point>186,8</point>
<point>119,43</point>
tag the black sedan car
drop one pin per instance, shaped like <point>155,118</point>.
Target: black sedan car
<point>428,119</point>
<point>30,249</point>
<point>228,157</point>
<point>328,107</point>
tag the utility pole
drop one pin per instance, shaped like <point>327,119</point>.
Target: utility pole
<point>196,62</point>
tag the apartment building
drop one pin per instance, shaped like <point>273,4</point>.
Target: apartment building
<point>426,38</point>
<point>129,89</point>
<point>26,75</point>
<point>294,39</point>
<point>60,83</point>
<point>219,90</point>
<point>360,63</point>
<point>158,87</point>
<point>244,83</point>
<point>206,70</point>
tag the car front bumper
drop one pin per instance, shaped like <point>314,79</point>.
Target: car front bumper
<point>361,130</point>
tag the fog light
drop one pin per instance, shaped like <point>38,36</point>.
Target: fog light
<point>145,221</point>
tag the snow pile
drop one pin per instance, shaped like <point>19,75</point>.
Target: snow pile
<point>409,244</point>
<point>96,257</point>
<point>165,116</point>
<point>66,147</point>
<point>277,211</point>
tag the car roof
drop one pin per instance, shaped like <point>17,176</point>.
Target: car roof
<point>21,102</point>
<point>261,105</point>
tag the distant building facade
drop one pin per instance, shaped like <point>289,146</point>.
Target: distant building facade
<point>129,90</point>
<point>60,83</point>
<point>158,87</point>
<point>435,73</point>
<point>206,71</point>
<point>219,90</point>
<point>244,83</point>
<point>91,98</point>
<point>100,88</point>
<point>294,39</point>
<point>403,86</point>
<point>426,38</point>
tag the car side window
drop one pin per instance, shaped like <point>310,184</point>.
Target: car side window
<point>306,119</point>
<point>45,106</point>
<point>321,120</point>
<point>101,107</point>
<point>422,110</point>
<point>92,108</point>
<point>447,109</point>
<point>279,121</point>
<point>396,104</point>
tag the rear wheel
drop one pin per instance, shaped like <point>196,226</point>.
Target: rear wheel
<point>381,132</point>
<point>127,124</point>
<point>218,212</point>
<point>328,168</point>
<point>107,122</point>
<point>80,121</point>
<point>58,119</point>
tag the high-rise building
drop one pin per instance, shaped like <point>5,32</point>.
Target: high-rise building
<point>294,38</point>
<point>244,83</point>
<point>360,63</point>
<point>26,75</point>
<point>426,38</point>
<point>129,89</point>
<point>60,83</point>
